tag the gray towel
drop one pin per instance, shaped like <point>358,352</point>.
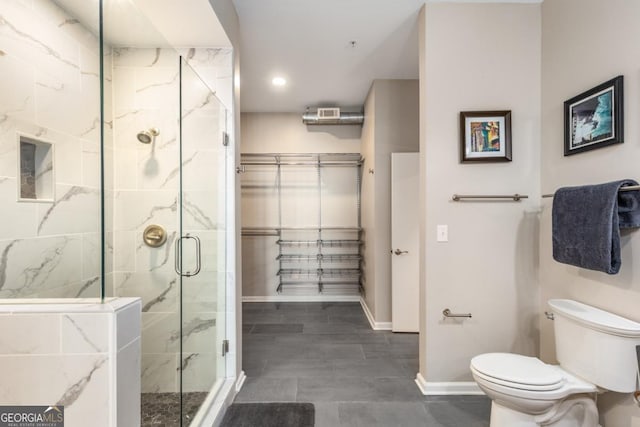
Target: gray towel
<point>587,222</point>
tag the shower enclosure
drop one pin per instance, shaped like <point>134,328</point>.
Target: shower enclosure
<point>113,182</point>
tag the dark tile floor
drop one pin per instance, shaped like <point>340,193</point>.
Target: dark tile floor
<point>327,354</point>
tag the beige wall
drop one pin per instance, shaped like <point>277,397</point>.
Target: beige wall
<point>587,42</point>
<point>422,200</point>
<point>397,131</point>
<point>368,202</point>
<point>479,57</point>
<point>391,126</point>
<point>285,133</point>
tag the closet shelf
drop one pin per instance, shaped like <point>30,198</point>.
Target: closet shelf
<point>321,242</point>
<point>320,283</point>
<point>297,272</point>
<point>319,272</point>
<point>339,272</point>
<point>324,282</point>
<point>300,159</point>
<point>277,231</point>
<point>319,257</point>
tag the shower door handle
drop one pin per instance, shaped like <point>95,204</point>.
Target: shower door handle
<point>178,257</point>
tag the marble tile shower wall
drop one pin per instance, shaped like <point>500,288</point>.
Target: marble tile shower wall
<point>215,67</point>
<point>146,89</point>
<point>50,91</point>
<point>83,356</point>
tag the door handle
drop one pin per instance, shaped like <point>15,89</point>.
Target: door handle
<point>399,252</point>
<point>178,257</point>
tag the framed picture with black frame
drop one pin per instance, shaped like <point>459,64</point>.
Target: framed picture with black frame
<point>595,118</point>
<point>485,136</point>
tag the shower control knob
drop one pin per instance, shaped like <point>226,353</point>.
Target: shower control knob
<point>154,236</point>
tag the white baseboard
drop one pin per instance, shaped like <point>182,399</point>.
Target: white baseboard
<point>240,381</point>
<point>447,388</point>
<point>377,326</point>
<point>216,405</point>
<point>421,383</point>
<point>303,298</point>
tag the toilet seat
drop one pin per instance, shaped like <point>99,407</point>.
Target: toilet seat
<point>514,370</point>
<point>526,377</point>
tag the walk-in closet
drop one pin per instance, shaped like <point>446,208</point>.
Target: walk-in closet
<point>301,224</point>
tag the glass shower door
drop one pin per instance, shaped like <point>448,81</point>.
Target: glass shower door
<point>201,250</point>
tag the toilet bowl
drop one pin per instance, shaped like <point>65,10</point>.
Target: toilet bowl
<point>527,392</point>
<point>596,352</point>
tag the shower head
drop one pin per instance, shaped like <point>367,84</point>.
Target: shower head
<point>147,136</point>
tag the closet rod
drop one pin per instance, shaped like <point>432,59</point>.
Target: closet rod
<point>354,229</point>
<point>627,188</point>
<point>308,155</point>
<point>311,163</point>
<point>515,197</point>
<point>321,228</point>
<point>260,233</point>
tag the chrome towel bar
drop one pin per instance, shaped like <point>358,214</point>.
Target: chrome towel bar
<point>447,313</point>
<point>515,197</point>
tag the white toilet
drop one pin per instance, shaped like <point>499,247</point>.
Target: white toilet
<point>597,353</point>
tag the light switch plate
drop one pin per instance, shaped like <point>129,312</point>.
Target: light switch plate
<point>442,233</point>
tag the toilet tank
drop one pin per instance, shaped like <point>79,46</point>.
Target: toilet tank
<point>596,345</point>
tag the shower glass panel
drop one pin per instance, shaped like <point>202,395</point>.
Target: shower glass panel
<point>202,246</point>
<point>50,181</point>
<point>165,211</point>
<point>113,183</point>
<point>142,167</point>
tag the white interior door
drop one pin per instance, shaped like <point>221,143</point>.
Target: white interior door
<point>405,172</point>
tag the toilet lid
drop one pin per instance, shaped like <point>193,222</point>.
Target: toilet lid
<point>520,371</point>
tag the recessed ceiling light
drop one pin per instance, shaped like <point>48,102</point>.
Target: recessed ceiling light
<point>279,81</point>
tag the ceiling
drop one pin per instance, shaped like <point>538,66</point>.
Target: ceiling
<point>185,23</point>
<point>151,23</point>
<point>308,42</point>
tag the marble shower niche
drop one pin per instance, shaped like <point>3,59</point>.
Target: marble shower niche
<point>36,170</point>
